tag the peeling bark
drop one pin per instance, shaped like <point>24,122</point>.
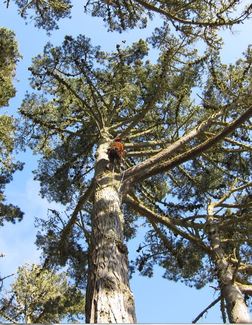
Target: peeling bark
<point>108,299</point>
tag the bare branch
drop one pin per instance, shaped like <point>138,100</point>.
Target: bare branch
<point>141,133</point>
<point>139,145</point>
<point>230,192</point>
<point>206,309</point>
<point>142,153</point>
<point>245,268</point>
<point>28,4</point>
<point>6,277</point>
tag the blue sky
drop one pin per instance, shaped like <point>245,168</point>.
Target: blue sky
<point>157,300</point>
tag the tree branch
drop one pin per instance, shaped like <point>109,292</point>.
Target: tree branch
<point>93,89</point>
<point>68,228</point>
<point>206,309</point>
<point>157,164</point>
<point>142,153</point>
<point>245,268</point>
<point>6,277</point>
<point>230,192</point>
<point>140,145</point>
<point>166,153</point>
<point>155,94</point>
<point>245,288</point>
<point>166,221</point>
<point>216,23</point>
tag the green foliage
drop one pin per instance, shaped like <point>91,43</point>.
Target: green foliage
<point>189,18</point>
<point>41,296</point>
<point>181,260</point>
<point>71,252</point>
<point>194,18</point>
<point>46,13</point>
<point>6,139</point>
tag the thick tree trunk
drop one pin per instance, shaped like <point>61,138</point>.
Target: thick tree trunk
<point>237,309</point>
<point>108,298</point>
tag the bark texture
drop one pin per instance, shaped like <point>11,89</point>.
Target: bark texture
<point>237,309</point>
<point>109,299</point>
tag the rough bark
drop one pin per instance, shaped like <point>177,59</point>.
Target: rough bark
<point>237,309</point>
<point>108,299</point>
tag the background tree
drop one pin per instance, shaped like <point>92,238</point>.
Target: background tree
<point>211,246</point>
<point>41,296</point>
<point>8,60</point>
<point>176,147</point>
<point>228,252</point>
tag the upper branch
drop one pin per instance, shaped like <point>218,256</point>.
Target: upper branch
<point>164,154</point>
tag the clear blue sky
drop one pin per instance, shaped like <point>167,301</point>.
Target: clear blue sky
<point>157,300</point>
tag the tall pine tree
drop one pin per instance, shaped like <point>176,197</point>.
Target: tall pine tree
<point>176,147</point>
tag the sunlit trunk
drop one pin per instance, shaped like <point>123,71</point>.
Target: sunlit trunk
<point>109,299</point>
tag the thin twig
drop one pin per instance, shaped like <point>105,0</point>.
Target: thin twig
<point>8,276</point>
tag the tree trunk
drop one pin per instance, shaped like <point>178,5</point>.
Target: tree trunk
<point>108,298</point>
<point>237,309</point>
